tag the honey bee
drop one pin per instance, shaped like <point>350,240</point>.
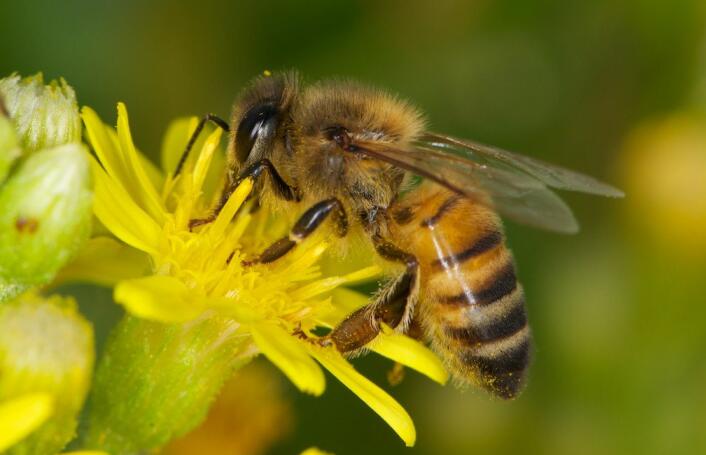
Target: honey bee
<point>362,159</point>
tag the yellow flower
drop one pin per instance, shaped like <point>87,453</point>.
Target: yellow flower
<point>22,415</point>
<point>193,274</point>
<point>664,168</point>
<point>315,451</point>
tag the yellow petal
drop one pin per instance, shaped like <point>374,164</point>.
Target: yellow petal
<point>175,140</point>
<point>104,261</point>
<point>159,298</point>
<point>409,352</point>
<point>349,300</point>
<point>218,227</point>
<point>242,313</point>
<point>204,160</point>
<point>315,451</point>
<point>382,403</point>
<point>289,355</point>
<point>330,283</point>
<point>118,212</point>
<point>345,301</point>
<point>21,416</point>
<point>153,173</point>
<point>147,194</point>
<point>107,151</point>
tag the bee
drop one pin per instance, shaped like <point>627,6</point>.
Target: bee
<point>361,159</point>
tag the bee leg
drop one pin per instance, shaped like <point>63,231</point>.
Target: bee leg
<point>254,171</point>
<point>189,145</point>
<point>307,223</point>
<point>393,306</point>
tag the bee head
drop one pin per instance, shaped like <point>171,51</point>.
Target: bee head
<point>260,118</point>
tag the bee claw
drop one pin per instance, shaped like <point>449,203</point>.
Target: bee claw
<point>199,222</point>
<point>249,263</point>
<point>324,341</point>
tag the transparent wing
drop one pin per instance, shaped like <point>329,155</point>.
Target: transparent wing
<point>549,174</point>
<point>516,193</point>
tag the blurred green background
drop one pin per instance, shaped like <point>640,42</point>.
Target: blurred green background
<point>616,89</point>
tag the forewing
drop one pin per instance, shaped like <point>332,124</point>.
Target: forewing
<point>549,174</point>
<point>516,195</point>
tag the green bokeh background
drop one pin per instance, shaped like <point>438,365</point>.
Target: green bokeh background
<point>617,311</point>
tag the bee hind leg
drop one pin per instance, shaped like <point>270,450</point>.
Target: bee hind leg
<point>394,305</point>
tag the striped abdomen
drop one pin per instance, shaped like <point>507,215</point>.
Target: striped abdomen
<point>471,305</point>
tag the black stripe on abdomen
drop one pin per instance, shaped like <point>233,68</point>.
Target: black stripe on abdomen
<point>447,205</point>
<point>503,373</point>
<point>503,283</point>
<point>485,243</point>
<point>504,326</point>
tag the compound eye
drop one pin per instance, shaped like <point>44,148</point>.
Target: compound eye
<point>254,123</point>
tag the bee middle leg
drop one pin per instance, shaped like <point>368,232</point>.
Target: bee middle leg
<point>305,226</point>
<point>394,306</point>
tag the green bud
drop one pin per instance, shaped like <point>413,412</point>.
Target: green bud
<point>45,215</point>
<point>9,148</point>
<point>156,382</point>
<point>44,115</point>
<point>46,347</point>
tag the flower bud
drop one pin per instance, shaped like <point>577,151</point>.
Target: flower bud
<point>45,215</point>
<point>44,115</point>
<point>164,374</point>
<point>9,148</point>
<point>46,347</point>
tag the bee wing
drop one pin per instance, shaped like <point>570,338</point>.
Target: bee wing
<point>549,174</point>
<point>516,193</point>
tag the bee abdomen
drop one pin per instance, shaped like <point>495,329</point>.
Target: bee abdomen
<point>471,304</point>
<point>489,331</point>
<point>500,366</point>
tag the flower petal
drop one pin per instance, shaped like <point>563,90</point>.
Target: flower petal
<point>148,196</point>
<point>118,212</point>
<point>107,151</point>
<point>382,403</point>
<point>345,301</point>
<point>21,416</point>
<point>175,140</point>
<point>315,451</point>
<point>204,159</point>
<point>159,298</point>
<point>409,352</point>
<point>104,261</point>
<point>330,283</point>
<point>289,355</point>
<point>218,227</point>
<point>174,143</point>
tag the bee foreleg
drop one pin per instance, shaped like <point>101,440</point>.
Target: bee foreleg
<point>393,306</point>
<point>254,171</point>
<point>307,223</point>
<point>189,145</point>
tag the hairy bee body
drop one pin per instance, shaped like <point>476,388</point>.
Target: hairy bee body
<point>347,153</point>
<point>470,306</point>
